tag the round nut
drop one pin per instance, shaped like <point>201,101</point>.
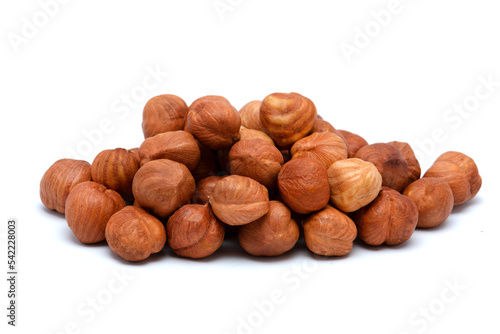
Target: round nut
<point>354,142</point>
<point>250,116</point>
<point>408,154</point>
<point>326,147</point>
<point>214,98</point>
<point>163,113</point>
<point>204,189</point>
<point>249,134</point>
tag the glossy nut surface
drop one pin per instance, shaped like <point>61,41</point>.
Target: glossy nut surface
<point>163,113</point>
<point>326,147</point>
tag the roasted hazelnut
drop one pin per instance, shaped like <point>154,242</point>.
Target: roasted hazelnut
<point>60,179</point>
<point>354,183</point>
<point>239,200</point>
<point>287,117</point>
<point>303,185</point>
<point>207,166</point>
<point>434,200</point>
<point>250,116</point>
<point>134,234</point>
<point>389,162</point>
<point>249,134</point>
<point>461,174</point>
<point>163,113</point>
<point>326,147</point>
<point>411,160</point>
<point>329,232</point>
<point>88,209</point>
<point>178,146</point>
<point>354,142</point>
<point>193,231</point>
<point>256,159</point>
<point>115,169</point>
<point>162,186</point>
<point>391,219</point>
<point>204,189</point>
<point>273,234</point>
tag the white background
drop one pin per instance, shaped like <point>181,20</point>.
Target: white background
<point>78,67</point>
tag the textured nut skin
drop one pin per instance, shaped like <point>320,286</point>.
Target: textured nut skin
<point>214,98</point>
<point>408,154</point>
<point>60,179</point>
<point>88,209</point>
<point>215,124</point>
<point>207,166</point>
<point>287,117</point>
<point>134,234</point>
<point>434,200</point>
<point>204,189</point>
<point>391,219</point>
<point>239,200</point>
<point>193,231</point>
<point>162,186</point>
<point>389,162</point>
<point>256,159</point>
<point>326,147</point>
<point>273,234</point>
<point>461,174</point>
<point>354,142</point>
<point>320,125</point>
<point>178,146</point>
<point>115,169</point>
<point>329,232</point>
<point>250,116</point>
<point>249,134</point>
<point>163,113</point>
<point>303,185</point>
<point>354,183</point>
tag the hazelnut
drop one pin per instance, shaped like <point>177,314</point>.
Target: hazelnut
<point>326,147</point>
<point>329,232</point>
<point>354,142</point>
<point>207,166</point>
<point>134,234</point>
<point>178,146</point>
<point>88,209</point>
<point>162,186</point>
<point>163,113</point>
<point>391,219</point>
<point>193,231</point>
<point>411,160</point>
<point>354,183</point>
<point>256,159</point>
<point>214,98</point>
<point>320,125</point>
<point>249,134</point>
<point>273,234</point>
<point>115,169</point>
<point>239,200</point>
<point>303,185</point>
<point>434,200</point>
<point>204,189</point>
<point>250,116</point>
<point>389,162</point>
<point>60,179</point>
<point>287,117</point>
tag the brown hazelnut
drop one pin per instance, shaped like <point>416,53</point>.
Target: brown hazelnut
<point>115,169</point>
<point>193,231</point>
<point>303,185</point>
<point>354,142</point>
<point>88,209</point>
<point>329,232</point>
<point>178,146</point>
<point>354,183</point>
<point>134,234</point>
<point>163,113</point>
<point>461,174</point>
<point>434,200</point>
<point>239,200</point>
<point>287,117</point>
<point>320,125</point>
<point>207,166</point>
<point>326,147</point>
<point>256,159</point>
<point>214,98</point>
<point>204,189</point>
<point>389,162</point>
<point>408,154</point>
<point>162,186</point>
<point>391,219</point>
<point>250,116</point>
<point>273,234</point>
<point>249,134</point>
<point>60,179</point>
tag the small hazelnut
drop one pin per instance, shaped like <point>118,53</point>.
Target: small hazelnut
<point>214,98</point>
<point>354,183</point>
<point>354,142</point>
<point>162,186</point>
<point>134,234</point>
<point>329,232</point>
<point>408,154</point>
<point>326,147</point>
<point>391,219</point>
<point>303,185</point>
<point>249,134</point>
<point>163,113</point>
<point>204,189</point>
<point>287,117</point>
<point>434,200</point>
<point>88,209</point>
<point>239,200</point>
<point>461,174</point>
<point>250,116</point>
<point>193,231</point>
<point>60,179</point>
<point>256,159</point>
<point>272,234</point>
<point>207,166</point>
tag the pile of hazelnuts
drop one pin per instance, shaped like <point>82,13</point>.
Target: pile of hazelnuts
<point>270,173</point>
